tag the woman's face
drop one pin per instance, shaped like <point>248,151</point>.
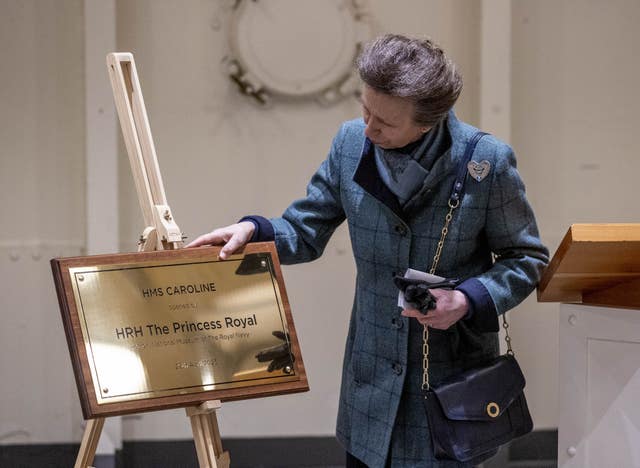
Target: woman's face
<point>389,119</point>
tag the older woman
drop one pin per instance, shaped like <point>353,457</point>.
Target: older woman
<point>390,176</point>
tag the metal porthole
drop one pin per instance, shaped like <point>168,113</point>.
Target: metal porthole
<point>297,48</point>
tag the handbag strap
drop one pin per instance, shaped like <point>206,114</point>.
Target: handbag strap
<point>456,194</point>
<point>454,201</point>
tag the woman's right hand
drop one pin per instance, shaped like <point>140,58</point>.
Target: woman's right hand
<point>232,238</point>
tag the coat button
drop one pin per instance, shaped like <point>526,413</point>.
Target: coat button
<point>397,323</point>
<point>397,368</point>
<point>400,229</point>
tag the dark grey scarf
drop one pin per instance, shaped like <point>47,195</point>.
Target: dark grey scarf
<point>403,170</point>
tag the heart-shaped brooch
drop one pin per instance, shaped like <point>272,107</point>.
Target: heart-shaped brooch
<point>479,170</point>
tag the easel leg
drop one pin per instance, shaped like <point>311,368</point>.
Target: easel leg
<point>206,435</point>
<point>89,443</point>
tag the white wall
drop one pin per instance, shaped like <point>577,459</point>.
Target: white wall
<point>42,212</point>
<point>572,124</point>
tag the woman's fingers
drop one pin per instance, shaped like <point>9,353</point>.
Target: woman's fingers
<point>431,319</point>
<point>236,241</point>
<point>231,237</point>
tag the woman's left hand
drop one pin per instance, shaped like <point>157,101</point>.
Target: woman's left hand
<point>451,306</point>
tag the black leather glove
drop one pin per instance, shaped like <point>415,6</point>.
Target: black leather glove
<point>416,292</point>
<point>279,355</point>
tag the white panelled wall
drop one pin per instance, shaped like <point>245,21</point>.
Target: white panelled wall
<point>560,86</point>
<point>42,213</point>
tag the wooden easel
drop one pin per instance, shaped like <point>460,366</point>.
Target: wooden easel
<point>161,233</point>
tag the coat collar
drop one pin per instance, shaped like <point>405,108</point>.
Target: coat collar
<point>369,179</point>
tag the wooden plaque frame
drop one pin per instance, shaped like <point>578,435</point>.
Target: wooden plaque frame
<point>84,380</point>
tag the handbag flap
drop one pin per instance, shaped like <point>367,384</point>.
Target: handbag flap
<point>482,393</point>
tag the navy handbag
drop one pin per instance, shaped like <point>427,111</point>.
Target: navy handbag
<point>477,411</point>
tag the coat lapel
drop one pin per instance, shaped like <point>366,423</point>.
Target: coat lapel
<point>367,177</point>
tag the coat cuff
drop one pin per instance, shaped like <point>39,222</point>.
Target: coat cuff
<point>482,315</point>
<point>263,231</point>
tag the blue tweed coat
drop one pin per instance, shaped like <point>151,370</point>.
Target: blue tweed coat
<point>381,417</point>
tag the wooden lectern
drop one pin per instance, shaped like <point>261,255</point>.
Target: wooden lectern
<point>596,274</point>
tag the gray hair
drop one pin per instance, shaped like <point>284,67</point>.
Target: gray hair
<point>415,69</point>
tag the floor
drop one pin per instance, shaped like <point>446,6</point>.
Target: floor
<point>536,450</point>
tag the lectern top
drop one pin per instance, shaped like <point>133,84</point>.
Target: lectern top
<point>616,232</point>
<point>595,264</point>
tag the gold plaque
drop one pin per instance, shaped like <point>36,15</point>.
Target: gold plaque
<point>171,328</point>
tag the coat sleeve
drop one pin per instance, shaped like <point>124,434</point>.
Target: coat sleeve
<point>512,236</point>
<point>306,226</point>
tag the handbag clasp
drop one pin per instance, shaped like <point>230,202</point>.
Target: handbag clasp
<point>493,410</point>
